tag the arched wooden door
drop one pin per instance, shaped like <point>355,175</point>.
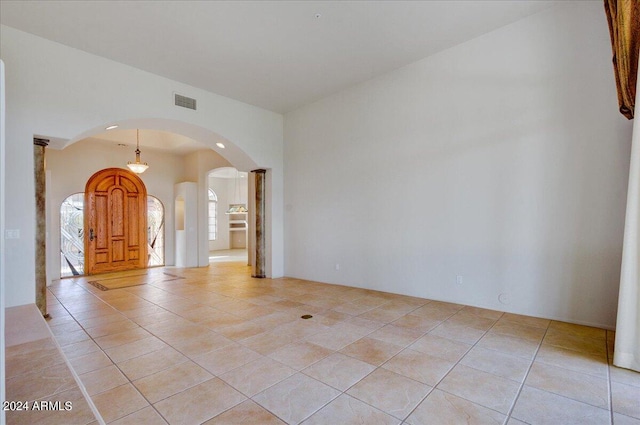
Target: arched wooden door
<point>115,220</point>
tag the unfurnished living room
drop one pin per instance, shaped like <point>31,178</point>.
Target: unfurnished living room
<point>319,212</point>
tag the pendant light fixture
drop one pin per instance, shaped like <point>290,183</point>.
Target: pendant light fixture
<point>137,167</point>
<point>236,208</point>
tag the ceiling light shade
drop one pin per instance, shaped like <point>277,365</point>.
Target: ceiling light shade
<point>137,167</point>
<point>237,208</point>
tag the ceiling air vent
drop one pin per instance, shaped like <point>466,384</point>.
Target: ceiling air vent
<point>184,101</point>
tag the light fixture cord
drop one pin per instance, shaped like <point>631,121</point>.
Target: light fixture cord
<point>237,188</point>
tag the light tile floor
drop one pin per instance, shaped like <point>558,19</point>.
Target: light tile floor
<point>36,371</point>
<point>219,347</point>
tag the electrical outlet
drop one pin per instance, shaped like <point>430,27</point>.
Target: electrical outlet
<point>12,234</point>
<point>337,266</point>
<point>459,280</point>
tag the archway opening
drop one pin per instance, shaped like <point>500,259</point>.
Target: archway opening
<point>228,215</point>
<point>230,156</point>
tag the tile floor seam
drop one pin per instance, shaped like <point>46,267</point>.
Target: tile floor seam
<point>267,409</point>
<point>450,369</point>
<point>145,398</point>
<point>368,404</point>
<point>459,396</point>
<point>408,377</point>
<point>68,362</point>
<point>418,404</point>
<point>338,389</point>
<point>84,329</point>
<point>188,358</point>
<point>59,390</point>
<point>131,358</point>
<point>374,370</point>
<point>75,375</point>
<point>177,303</point>
<point>113,363</point>
<point>356,383</point>
<point>70,314</point>
<point>126,377</point>
<point>279,417</point>
<point>593,375</point>
<point>319,409</point>
<point>566,398</point>
<point>135,411</point>
<point>570,397</point>
<point>607,379</point>
<point>152,405</point>
<point>265,389</point>
<point>341,393</point>
<point>526,375</point>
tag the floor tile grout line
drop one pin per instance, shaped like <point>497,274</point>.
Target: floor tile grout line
<point>189,358</point>
<point>344,392</point>
<point>190,298</point>
<point>76,377</point>
<point>316,411</point>
<point>526,375</point>
<point>341,393</point>
<point>559,394</point>
<point>339,390</point>
<point>57,391</point>
<point>112,362</point>
<point>454,365</point>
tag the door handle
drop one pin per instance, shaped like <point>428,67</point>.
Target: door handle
<point>91,237</point>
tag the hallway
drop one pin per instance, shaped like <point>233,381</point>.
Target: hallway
<point>212,345</point>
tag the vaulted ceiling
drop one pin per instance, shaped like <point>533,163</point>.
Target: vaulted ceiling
<point>278,55</point>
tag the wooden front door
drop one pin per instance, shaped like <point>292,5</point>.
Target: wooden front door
<point>115,220</point>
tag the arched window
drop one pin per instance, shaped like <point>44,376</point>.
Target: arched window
<point>155,231</point>
<point>213,215</point>
<point>72,236</point>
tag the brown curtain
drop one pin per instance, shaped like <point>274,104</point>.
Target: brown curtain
<point>624,26</point>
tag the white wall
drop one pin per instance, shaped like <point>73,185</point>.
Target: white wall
<point>502,160</point>
<point>63,93</point>
<point>186,224</point>
<point>72,167</point>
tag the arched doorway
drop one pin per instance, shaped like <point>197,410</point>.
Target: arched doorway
<point>196,171</point>
<point>115,225</point>
<point>72,234</point>
<point>228,218</point>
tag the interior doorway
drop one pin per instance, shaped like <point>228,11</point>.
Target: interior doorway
<point>227,207</point>
<point>99,149</point>
<point>72,234</point>
<point>115,222</point>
